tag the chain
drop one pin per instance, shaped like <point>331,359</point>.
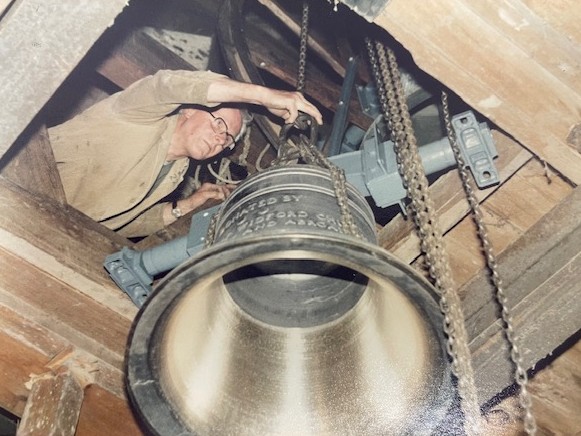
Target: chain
<point>392,98</point>
<point>492,264</point>
<point>211,233</point>
<point>303,47</point>
<point>289,152</point>
<point>306,149</point>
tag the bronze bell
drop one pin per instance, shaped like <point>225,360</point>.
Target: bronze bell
<point>288,326</point>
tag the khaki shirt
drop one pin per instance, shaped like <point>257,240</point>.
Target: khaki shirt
<point>110,155</point>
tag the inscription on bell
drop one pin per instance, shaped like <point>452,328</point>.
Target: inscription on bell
<point>276,212</point>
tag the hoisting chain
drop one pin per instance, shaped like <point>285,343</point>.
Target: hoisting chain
<point>303,48</point>
<point>393,101</point>
<point>305,148</point>
<point>492,264</point>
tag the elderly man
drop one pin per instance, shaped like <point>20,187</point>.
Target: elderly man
<point>123,155</point>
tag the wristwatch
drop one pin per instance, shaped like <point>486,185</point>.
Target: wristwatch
<point>175,210</point>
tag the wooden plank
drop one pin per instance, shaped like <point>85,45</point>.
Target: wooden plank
<point>556,394</point>
<point>29,348</point>
<point>464,52</point>
<point>60,308</point>
<point>399,237</point>
<point>318,47</point>
<point>540,272</point>
<point>545,44</point>
<point>31,165</point>
<point>53,406</point>
<point>31,38</point>
<point>106,414</point>
<point>15,370</point>
<point>138,55</point>
<point>562,15</point>
<point>508,214</point>
<point>47,343</point>
<point>54,238</point>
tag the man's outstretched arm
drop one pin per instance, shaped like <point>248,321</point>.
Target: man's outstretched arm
<point>284,104</point>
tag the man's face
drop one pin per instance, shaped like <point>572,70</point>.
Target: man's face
<point>205,134</point>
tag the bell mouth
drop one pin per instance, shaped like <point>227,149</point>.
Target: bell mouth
<point>201,362</point>
<point>294,292</point>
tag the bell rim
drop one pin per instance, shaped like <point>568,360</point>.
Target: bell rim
<point>144,389</point>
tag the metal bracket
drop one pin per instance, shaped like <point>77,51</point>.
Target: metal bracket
<point>126,269</point>
<point>373,170</point>
<point>133,271</point>
<point>477,148</point>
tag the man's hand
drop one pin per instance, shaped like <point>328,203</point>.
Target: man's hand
<point>284,104</point>
<point>287,105</point>
<point>208,191</point>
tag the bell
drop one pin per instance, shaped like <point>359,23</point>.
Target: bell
<point>287,325</point>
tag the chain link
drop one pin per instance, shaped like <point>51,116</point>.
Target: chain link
<point>303,48</point>
<point>306,149</point>
<point>393,101</point>
<point>492,264</point>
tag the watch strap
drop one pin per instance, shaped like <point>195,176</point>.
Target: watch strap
<point>175,210</point>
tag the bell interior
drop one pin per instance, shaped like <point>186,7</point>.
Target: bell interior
<point>379,367</point>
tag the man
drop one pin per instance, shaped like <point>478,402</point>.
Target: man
<point>120,157</point>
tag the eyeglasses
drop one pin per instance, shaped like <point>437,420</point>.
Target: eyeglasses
<point>220,127</point>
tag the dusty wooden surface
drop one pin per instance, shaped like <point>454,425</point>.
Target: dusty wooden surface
<point>36,59</point>
<point>105,414</point>
<point>53,406</point>
<point>31,165</point>
<point>399,237</point>
<point>516,65</point>
<point>61,241</point>
<point>556,393</point>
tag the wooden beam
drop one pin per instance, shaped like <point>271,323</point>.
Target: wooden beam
<point>31,165</point>
<point>399,237</point>
<point>313,42</point>
<point>31,37</point>
<point>508,214</point>
<point>105,414</point>
<point>53,407</point>
<point>541,273</point>
<point>502,65</point>
<point>29,348</point>
<point>556,393</point>
<point>561,15</point>
<point>138,55</point>
<point>79,319</point>
<point>63,242</point>
<point>17,362</point>
<point>32,348</point>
